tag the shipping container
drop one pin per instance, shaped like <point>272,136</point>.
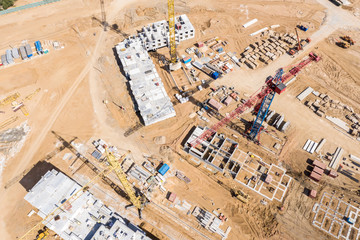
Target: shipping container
<point>164,168</point>
<point>15,53</point>
<point>318,170</point>
<point>315,176</point>
<point>9,57</point>
<point>319,164</point>
<point>313,193</point>
<point>23,53</point>
<point>3,60</point>
<point>38,47</point>
<point>215,75</point>
<point>227,101</point>
<point>28,51</point>
<point>186,59</point>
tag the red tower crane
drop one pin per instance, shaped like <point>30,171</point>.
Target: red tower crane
<point>254,99</point>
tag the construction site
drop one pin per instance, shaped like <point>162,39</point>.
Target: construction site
<point>180,120</point>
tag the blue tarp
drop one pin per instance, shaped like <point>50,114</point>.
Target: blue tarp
<point>164,168</point>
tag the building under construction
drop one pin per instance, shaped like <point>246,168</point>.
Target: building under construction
<point>151,99</point>
<point>85,218</point>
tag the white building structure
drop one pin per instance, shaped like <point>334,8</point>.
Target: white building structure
<point>156,35</point>
<point>147,88</point>
<point>85,218</point>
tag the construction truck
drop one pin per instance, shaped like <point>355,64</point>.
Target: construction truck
<point>42,234</point>
<point>303,28</point>
<point>348,39</point>
<point>243,197</point>
<point>305,42</point>
<point>300,46</point>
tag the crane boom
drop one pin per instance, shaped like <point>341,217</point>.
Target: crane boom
<point>115,162</point>
<point>172,43</point>
<point>253,100</point>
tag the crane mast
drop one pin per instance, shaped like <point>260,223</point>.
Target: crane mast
<point>172,43</point>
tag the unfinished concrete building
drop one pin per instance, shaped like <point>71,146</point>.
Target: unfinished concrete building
<point>148,91</point>
<point>84,218</point>
<point>217,151</point>
<point>156,35</point>
<point>147,88</point>
<point>248,169</point>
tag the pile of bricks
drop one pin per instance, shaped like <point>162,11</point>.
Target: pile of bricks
<point>267,50</point>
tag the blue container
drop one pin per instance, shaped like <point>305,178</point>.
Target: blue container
<point>164,168</point>
<point>215,75</point>
<point>38,47</point>
<point>187,59</point>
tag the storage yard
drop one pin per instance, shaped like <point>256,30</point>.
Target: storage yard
<point>180,120</point>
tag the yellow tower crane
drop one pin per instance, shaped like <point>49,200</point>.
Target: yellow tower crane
<point>66,204</point>
<point>171,13</point>
<point>136,201</point>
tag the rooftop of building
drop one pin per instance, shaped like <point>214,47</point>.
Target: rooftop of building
<point>146,85</point>
<point>83,218</point>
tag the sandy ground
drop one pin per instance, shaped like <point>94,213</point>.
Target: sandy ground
<point>74,82</point>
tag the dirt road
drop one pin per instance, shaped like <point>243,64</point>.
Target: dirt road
<point>113,9</point>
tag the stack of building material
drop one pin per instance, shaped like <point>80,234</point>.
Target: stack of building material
<point>354,159</point>
<point>340,123</point>
<point>140,174</point>
<point>251,22</point>
<point>149,167</point>
<point>336,158</point>
<point>304,93</point>
<point>320,145</point>
<point>310,146</point>
<point>182,177</point>
<point>96,154</point>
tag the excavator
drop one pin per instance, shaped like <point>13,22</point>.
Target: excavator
<point>348,39</point>
<point>343,44</point>
<point>243,197</point>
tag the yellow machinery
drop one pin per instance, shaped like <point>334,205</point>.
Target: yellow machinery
<point>136,201</point>
<point>241,195</point>
<point>43,234</point>
<point>28,97</point>
<point>66,204</point>
<point>343,44</point>
<point>172,42</point>
<point>8,122</point>
<point>9,99</point>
